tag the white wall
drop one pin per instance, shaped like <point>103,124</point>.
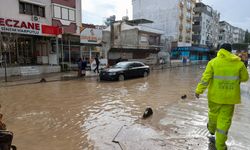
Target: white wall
<point>164,13</point>
<point>78,16</point>
<point>10,9</point>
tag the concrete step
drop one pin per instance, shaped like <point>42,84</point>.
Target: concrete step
<point>29,70</point>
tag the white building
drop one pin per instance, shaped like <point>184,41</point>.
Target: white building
<point>238,35</point>
<point>174,17</point>
<point>226,32</point>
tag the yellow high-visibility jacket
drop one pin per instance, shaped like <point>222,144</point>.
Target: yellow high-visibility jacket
<point>223,76</point>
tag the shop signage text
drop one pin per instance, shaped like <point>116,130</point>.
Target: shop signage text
<point>17,26</point>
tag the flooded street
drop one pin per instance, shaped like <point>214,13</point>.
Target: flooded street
<point>86,114</point>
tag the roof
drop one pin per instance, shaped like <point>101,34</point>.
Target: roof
<point>140,21</point>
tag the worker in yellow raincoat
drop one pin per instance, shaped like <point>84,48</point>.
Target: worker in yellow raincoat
<point>222,76</point>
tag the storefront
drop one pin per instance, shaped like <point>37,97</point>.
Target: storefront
<point>27,43</point>
<point>91,41</point>
<point>192,53</point>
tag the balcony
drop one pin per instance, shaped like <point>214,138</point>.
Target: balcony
<point>196,28</point>
<point>188,19</point>
<point>197,9</point>
<point>181,16</point>
<point>189,9</point>
<point>181,4</point>
<point>180,27</point>
<point>188,30</point>
<point>180,38</point>
<point>196,37</point>
<point>197,19</point>
<point>188,38</point>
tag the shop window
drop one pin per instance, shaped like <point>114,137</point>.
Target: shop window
<point>31,9</point>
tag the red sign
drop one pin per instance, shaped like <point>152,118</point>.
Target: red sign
<point>27,27</point>
<point>51,30</point>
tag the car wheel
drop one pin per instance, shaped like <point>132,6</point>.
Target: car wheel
<point>145,74</point>
<point>121,77</point>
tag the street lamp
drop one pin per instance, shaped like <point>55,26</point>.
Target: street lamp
<point>5,61</point>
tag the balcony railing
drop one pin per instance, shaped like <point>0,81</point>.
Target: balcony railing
<point>181,5</point>
<point>180,27</point>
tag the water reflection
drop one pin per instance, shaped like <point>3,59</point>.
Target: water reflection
<point>76,115</point>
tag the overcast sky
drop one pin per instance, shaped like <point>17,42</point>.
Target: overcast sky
<point>236,12</point>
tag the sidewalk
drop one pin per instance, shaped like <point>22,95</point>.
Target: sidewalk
<point>50,77</point>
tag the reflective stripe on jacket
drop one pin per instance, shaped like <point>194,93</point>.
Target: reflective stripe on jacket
<point>223,76</point>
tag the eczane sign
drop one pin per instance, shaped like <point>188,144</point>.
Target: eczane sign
<point>21,27</point>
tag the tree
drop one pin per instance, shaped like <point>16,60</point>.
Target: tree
<point>247,37</point>
<point>109,20</point>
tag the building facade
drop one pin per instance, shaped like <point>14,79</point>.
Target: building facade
<point>206,26</point>
<point>127,40</point>
<point>67,16</point>
<point>226,32</point>
<point>174,17</point>
<point>91,41</point>
<point>238,35</point>
<point>29,30</point>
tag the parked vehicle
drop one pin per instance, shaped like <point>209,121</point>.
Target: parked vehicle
<point>125,70</point>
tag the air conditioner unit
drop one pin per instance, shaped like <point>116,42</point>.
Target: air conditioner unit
<point>35,18</point>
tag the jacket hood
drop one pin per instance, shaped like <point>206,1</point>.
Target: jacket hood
<point>227,55</point>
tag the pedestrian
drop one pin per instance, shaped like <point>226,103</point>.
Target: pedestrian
<point>83,67</point>
<point>184,60</point>
<point>79,63</point>
<point>97,62</point>
<point>118,60</point>
<point>222,76</point>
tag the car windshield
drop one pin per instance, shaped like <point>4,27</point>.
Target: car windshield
<point>120,65</point>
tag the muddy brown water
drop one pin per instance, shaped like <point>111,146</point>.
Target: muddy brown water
<point>86,114</point>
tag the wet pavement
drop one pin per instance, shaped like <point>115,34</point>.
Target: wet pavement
<point>86,114</point>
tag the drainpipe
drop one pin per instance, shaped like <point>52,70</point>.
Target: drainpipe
<point>69,55</point>
<point>57,51</point>
<point>5,65</point>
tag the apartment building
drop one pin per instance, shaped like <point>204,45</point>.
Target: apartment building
<point>226,32</point>
<point>238,35</point>
<point>206,26</point>
<point>174,17</point>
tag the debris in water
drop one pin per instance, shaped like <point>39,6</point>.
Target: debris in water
<point>2,125</point>
<point>184,96</point>
<point>147,113</point>
<point>43,80</point>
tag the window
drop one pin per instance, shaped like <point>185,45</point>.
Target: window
<point>57,12</point>
<point>71,15</point>
<point>35,10</point>
<point>64,13</point>
<point>41,12</point>
<point>31,9</point>
<point>28,9</point>
<point>21,7</point>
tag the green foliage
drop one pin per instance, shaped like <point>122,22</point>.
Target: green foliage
<point>247,37</point>
<point>240,46</point>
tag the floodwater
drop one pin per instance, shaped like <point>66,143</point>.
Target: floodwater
<point>86,114</point>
